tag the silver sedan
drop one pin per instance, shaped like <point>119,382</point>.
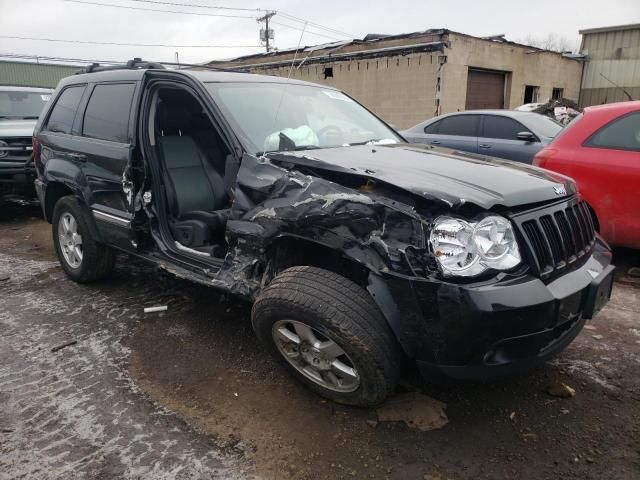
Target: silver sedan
<point>507,134</point>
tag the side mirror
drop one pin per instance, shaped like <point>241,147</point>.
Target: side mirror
<point>526,136</point>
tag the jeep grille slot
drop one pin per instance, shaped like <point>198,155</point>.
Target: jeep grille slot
<point>558,236</point>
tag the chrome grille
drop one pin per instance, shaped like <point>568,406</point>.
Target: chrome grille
<point>15,149</point>
<point>557,236</point>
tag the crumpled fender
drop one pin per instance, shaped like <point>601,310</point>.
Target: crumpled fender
<point>274,200</point>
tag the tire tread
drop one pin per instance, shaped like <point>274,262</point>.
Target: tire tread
<point>347,308</point>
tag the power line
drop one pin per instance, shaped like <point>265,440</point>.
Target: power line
<point>90,42</point>
<point>317,25</point>
<point>216,7</point>
<point>307,31</point>
<point>192,5</point>
<point>196,5</point>
<point>158,10</point>
<point>25,56</point>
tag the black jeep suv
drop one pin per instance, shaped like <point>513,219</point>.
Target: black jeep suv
<point>359,251</point>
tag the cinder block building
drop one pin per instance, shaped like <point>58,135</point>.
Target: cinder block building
<point>411,77</point>
<point>612,71</point>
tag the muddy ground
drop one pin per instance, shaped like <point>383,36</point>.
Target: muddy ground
<point>189,393</point>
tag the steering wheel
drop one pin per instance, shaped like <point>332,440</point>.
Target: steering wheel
<point>332,132</point>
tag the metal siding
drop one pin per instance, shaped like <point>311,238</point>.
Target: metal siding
<point>33,74</point>
<point>623,70</point>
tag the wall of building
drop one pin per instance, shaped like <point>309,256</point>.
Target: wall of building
<point>408,88</point>
<point>615,54</point>
<point>25,74</point>
<point>546,70</point>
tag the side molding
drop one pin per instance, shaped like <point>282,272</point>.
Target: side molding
<point>112,219</point>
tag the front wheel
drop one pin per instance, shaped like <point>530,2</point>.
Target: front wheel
<point>329,334</point>
<point>82,258</point>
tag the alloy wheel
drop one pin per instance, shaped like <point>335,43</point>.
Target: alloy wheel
<point>315,356</point>
<point>70,240</point>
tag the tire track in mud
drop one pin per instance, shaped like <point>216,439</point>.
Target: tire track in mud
<point>76,413</point>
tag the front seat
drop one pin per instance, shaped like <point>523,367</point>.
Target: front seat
<point>195,190</point>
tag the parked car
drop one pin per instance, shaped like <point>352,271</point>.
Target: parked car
<point>506,134</point>
<point>358,251</point>
<point>19,110</point>
<point>601,150</point>
<point>528,107</point>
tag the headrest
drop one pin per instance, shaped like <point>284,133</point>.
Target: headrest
<point>173,116</point>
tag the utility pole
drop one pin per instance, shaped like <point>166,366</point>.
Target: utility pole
<point>266,34</point>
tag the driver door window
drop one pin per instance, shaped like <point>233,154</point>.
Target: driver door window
<point>500,139</point>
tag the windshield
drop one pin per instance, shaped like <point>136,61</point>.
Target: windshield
<point>22,105</point>
<point>277,116</point>
<point>543,125</point>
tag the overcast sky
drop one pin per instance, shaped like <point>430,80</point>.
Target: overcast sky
<point>65,20</point>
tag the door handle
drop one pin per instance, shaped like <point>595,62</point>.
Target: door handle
<point>78,156</point>
<point>434,142</point>
<point>484,145</point>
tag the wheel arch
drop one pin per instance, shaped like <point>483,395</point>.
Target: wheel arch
<point>55,191</point>
<point>289,251</point>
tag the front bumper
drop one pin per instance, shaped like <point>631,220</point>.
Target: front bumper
<point>484,330</point>
<point>16,178</point>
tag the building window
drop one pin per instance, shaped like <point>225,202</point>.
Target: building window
<point>531,93</point>
<point>328,72</point>
<point>557,93</point>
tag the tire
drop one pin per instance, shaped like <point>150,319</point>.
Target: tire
<point>337,311</point>
<point>96,261</point>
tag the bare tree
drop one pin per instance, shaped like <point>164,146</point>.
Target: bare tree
<point>552,41</point>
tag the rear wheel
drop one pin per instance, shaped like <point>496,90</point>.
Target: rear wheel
<point>329,334</point>
<point>82,258</point>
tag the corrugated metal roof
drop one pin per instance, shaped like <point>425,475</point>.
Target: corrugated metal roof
<point>615,28</point>
<point>29,74</point>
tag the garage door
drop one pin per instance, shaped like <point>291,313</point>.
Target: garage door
<point>485,89</point>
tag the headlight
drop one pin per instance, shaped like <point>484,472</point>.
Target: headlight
<point>466,249</point>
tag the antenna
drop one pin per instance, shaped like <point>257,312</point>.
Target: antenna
<point>286,85</point>
<point>266,33</point>
<point>617,86</point>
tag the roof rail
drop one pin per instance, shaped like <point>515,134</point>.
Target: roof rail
<point>139,64</point>
<point>135,64</point>
<point>206,67</point>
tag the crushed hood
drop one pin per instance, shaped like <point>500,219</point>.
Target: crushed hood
<point>447,175</point>
<point>16,128</point>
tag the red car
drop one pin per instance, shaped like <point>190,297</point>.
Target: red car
<point>600,149</point>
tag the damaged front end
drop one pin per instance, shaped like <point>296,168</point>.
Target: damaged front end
<point>347,213</point>
<point>469,327</point>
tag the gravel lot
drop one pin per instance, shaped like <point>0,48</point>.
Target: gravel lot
<point>189,393</point>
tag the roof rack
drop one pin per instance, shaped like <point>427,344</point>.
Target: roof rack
<point>139,64</point>
<point>207,67</point>
<point>135,64</point>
